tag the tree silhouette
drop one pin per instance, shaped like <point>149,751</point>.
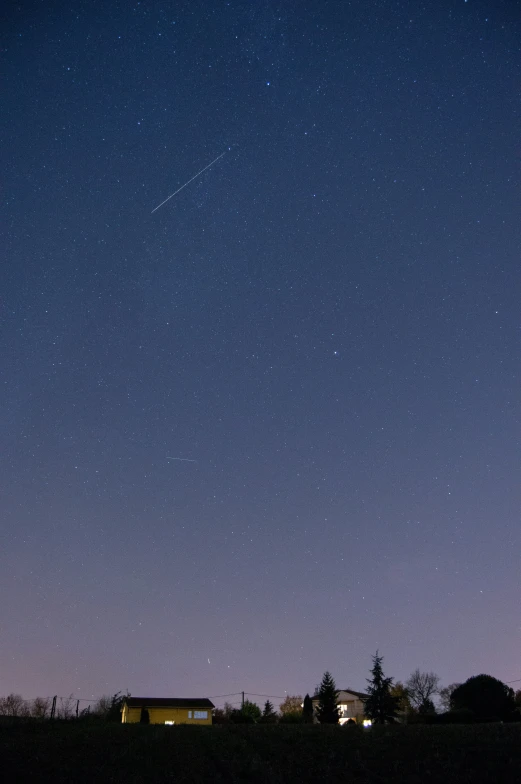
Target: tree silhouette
<point>327,711</point>
<point>427,707</point>
<point>421,687</point>
<point>13,705</point>
<point>116,705</point>
<point>445,694</point>
<point>40,708</point>
<point>380,706</point>
<point>249,713</point>
<point>307,710</point>
<point>486,697</point>
<point>269,715</point>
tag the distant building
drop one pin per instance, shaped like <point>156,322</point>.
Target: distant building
<point>168,710</point>
<point>350,705</point>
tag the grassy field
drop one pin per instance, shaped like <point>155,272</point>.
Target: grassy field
<point>76,753</point>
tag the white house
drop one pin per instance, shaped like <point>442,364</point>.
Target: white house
<point>350,704</point>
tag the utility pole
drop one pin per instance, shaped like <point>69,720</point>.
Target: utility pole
<point>77,708</point>
<point>53,707</point>
<point>242,703</point>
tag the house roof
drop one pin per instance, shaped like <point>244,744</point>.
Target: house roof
<point>169,702</point>
<point>360,694</point>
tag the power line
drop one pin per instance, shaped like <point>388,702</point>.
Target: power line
<point>217,696</point>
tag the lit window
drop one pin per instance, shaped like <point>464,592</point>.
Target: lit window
<point>367,722</point>
<point>200,714</point>
<point>169,722</point>
<point>189,714</point>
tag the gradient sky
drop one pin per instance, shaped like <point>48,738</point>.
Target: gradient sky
<point>326,321</point>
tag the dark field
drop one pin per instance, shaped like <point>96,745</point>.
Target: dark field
<point>72,752</point>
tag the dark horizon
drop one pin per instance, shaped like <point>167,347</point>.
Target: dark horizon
<point>272,426</point>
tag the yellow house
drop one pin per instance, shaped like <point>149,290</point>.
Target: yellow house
<point>167,710</point>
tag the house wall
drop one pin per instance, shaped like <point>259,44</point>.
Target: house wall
<point>351,709</point>
<point>351,706</point>
<point>162,715</point>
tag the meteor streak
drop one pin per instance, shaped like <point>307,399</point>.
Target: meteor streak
<point>188,183</point>
<point>183,459</point>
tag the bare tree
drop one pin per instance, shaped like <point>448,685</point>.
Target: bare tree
<point>421,687</point>
<point>445,695</point>
<point>13,705</point>
<point>40,707</point>
<point>222,715</point>
<point>102,706</point>
<point>67,707</point>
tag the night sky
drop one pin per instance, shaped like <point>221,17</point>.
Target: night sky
<point>324,325</point>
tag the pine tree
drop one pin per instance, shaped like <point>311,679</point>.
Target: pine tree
<point>268,714</point>
<point>380,706</point>
<point>327,711</point>
<point>307,710</point>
